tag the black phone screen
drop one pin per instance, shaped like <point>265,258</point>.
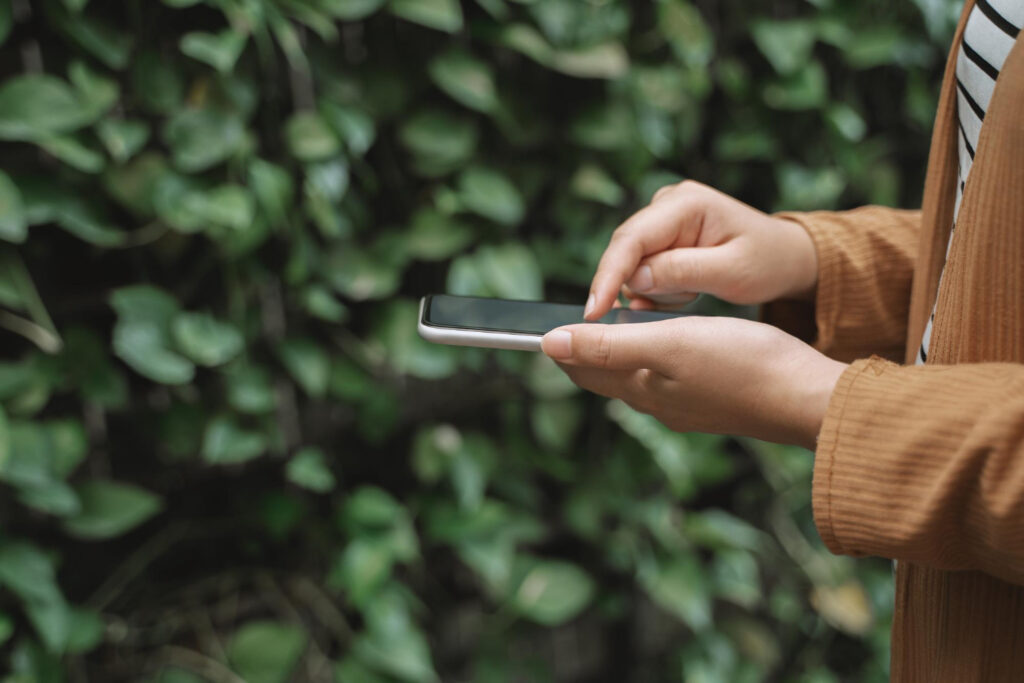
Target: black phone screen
<point>518,317</point>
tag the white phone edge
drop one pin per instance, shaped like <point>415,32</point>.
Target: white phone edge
<point>479,338</point>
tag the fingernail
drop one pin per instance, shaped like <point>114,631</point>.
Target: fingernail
<point>558,344</point>
<point>643,280</point>
<point>589,308</point>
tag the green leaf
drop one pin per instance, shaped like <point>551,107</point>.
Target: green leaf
<point>805,89</point>
<point>228,205</point>
<point>5,439</point>
<point>52,497</point>
<point>308,364</point>
<point>393,644</point>
<point>552,592</point>
<point>134,184</point>
<point>884,45</point>
<point>206,340</point>
<point>157,81</point>
<point>225,443</point>
<point>13,222</point>
<point>52,621</point>
<point>63,628</point>
<point>309,137</point>
<point>219,50</point>
<point>107,44</point>
<point>443,15</point>
<point>86,630</point>
<point>351,10</point>
<point>490,194</point>
<point>508,271</point>
<point>608,127</point>
<point>354,126</point>
<point>38,106</point>
<point>97,93</point>
<point>110,509</point>
<point>308,469</point>
<point>682,25</point>
<point>273,188</point>
<point>250,391</point>
<point>607,60</point>
<point>441,142</point>
<point>266,651</point>
<point>122,137</point>
<point>745,145</point>
<point>434,236</point>
<point>407,352</point>
<point>593,183</point>
<point>73,152</point>
<point>718,529</point>
<point>359,276</point>
<point>46,201</point>
<point>6,623</point>
<point>174,674</point>
<point>6,22</point>
<point>319,302</point>
<point>28,573</point>
<point>786,44</point>
<point>603,60</point>
<point>142,334</point>
<point>370,507</point>
<point>349,670</point>
<point>809,188</point>
<point>465,78</point>
<point>845,120</point>
<point>365,565</point>
<point>202,138</point>
<point>680,587</point>
<point>555,422</point>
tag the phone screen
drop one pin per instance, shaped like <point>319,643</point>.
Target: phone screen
<point>519,317</point>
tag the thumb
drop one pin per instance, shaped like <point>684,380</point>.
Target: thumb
<point>689,269</point>
<point>610,347</point>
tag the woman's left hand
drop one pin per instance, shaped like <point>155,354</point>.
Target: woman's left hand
<point>718,375</point>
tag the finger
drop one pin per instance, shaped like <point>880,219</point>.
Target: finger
<point>671,221</point>
<point>685,271</point>
<point>659,301</point>
<point>615,347</point>
<point>639,303</point>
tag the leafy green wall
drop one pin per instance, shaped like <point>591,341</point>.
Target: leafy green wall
<point>224,453</point>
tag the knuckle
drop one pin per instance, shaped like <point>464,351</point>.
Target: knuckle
<point>686,269</point>
<point>644,396</point>
<point>620,233</point>
<point>603,349</point>
<point>691,186</point>
<point>665,190</point>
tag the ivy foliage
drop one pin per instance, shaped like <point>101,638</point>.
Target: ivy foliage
<point>224,452</point>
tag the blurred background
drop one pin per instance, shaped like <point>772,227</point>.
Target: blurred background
<point>225,455</point>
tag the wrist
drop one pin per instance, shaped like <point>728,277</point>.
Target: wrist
<point>803,261</point>
<point>814,395</point>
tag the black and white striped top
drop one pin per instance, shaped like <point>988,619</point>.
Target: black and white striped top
<point>989,35</point>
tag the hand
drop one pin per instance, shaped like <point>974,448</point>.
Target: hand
<point>718,375</point>
<point>694,239</point>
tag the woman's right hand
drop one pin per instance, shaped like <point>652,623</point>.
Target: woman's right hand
<point>693,239</point>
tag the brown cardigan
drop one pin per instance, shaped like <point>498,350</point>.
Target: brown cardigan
<point>926,464</point>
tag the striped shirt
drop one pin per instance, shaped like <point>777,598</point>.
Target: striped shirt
<point>990,33</point>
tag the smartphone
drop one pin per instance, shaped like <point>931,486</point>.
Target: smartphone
<point>508,324</point>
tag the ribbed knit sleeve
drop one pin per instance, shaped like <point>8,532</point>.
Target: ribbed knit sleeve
<point>865,268</point>
<point>925,464</point>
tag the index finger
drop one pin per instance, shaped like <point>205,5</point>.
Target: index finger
<point>663,224</point>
